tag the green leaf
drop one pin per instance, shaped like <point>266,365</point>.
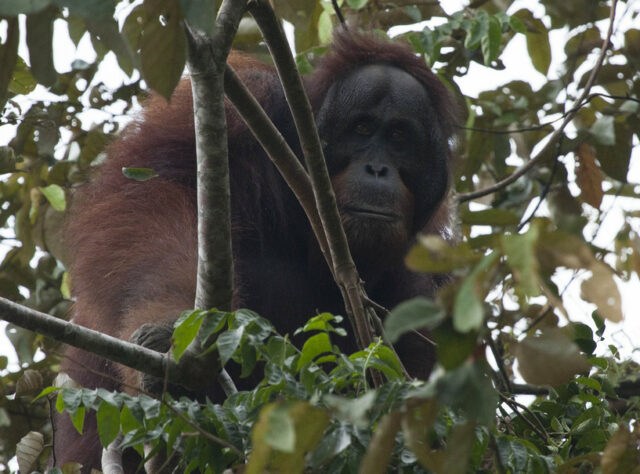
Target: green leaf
<point>469,388</point>
<point>186,330</point>
<point>517,25</point>
<point>453,348</point>
<point>479,29</point>
<point>432,254</point>
<point>491,41</point>
<point>468,309</point>
<point>109,35</point>
<point>413,314</point>
<point>22,81</point>
<point>39,42</point>
<point>333,443</point>
<point>108,417</point>
<point>357,4</point>
<point>317,345</point>
<point>280,433</point>
<point>15,7</point>
<point>284,434</point>
<point>56,197</point>
<point>228,342</point>
<point>539,49</point>
<point>493,217</point>
<point>128,421</point>
<point>459,445</point>
<point>550,358</point>
<point>8,58</point>
<point>163,46</point>
<point>351,410</point>
<point>77,419</point>
<point>537,36</point>
<point>614,160</point>
<point>139,174</point>
<point>520,252</point>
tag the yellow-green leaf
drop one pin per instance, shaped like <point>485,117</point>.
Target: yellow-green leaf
<point>56,197</point>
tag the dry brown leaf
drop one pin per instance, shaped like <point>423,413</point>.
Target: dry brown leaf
<point>588,175</point>
<point>601,290</point>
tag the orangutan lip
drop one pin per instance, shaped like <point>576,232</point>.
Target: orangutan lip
<point>372,213</point>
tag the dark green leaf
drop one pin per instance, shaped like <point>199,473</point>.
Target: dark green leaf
<point>468,387</point>
<point>479,28</point>
<point>8,57</point>
<point>185,332</point>
<point>468,310</point>
<point>603,130</point>
<point>14,7</point>
<point>163,46</point>
<point>491,41</point>
<point>493,217</point>
<point>108,417</point>
<point>39,42</point>
<point>453,348</point>
<point>98,10</point>
<point>228,342</point>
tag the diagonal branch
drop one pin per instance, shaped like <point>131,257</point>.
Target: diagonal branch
<point>278,150</point>
<point>345,270</point>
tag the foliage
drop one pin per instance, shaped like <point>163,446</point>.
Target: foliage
<point>511,267</point>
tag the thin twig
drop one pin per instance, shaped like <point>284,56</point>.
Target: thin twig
<point>336,9</point>
<point>515,406</point>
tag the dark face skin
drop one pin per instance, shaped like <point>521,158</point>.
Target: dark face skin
<point>388,166</point>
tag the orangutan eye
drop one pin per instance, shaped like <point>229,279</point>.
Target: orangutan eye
<point>397,135</point>
<point>364,127</point>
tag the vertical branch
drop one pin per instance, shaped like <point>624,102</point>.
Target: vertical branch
<point>207,57</point>
<point>344,269</point>
<point>206,61</point>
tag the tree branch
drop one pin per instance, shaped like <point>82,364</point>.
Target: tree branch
<point>125,353</point>
<point>345,271</point>
<point>278,151</point>
<point>207,56</point>
<point>206,60</point>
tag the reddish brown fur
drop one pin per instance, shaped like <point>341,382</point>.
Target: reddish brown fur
<point>133,244</point>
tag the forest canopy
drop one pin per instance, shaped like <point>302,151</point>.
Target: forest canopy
<point>547,201</point>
